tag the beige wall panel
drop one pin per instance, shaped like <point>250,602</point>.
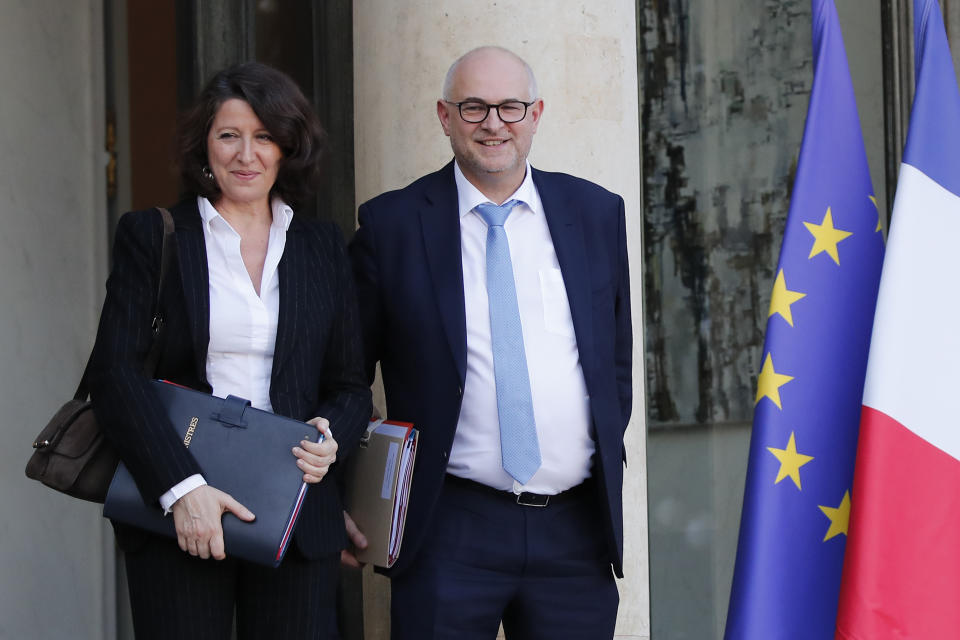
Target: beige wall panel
<point>584,57</point>
<point>56,555</point>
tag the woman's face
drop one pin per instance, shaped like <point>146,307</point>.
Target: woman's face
<point>242,155</point>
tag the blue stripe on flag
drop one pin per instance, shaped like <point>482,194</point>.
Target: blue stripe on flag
<point>933,148</point>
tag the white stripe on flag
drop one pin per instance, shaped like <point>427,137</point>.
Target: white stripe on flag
<point>913,374</point>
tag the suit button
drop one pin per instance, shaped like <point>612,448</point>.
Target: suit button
<point>459,391</point>
<point>444,454</point>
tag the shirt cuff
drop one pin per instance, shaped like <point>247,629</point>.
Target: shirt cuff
<point>179,490</point>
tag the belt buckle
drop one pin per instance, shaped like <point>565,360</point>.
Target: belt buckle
<point>526,499</point>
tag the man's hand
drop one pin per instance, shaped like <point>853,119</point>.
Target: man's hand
<point>197,517</point>
<point>315,458</point>
<point>357,541</point>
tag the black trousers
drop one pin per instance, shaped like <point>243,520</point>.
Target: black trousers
<point>175,595</point>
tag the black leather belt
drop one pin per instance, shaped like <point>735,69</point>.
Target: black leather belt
<point>525,499</point>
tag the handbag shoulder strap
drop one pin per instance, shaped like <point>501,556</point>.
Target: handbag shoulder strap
<point>167,252</point>
<point>157,324</point>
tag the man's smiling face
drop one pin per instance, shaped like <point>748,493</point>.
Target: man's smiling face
<point>491,151</point>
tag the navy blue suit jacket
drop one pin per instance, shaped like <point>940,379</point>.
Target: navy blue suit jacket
<point>317,364</point>
<point>407,265</point>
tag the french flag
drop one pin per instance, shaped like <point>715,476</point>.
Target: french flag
<point>901,575</point>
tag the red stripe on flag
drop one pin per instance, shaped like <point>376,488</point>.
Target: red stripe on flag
<point>901,573</point>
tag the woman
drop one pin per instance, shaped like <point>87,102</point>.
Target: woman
<point>260,305</point>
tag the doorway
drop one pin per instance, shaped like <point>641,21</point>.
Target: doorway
<point>157,57</point>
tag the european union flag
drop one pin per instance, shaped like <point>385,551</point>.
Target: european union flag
<point>797,500</point>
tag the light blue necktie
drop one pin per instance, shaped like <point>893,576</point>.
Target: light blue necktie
<point>519,449</point>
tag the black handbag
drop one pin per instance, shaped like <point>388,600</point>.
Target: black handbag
<point>71,454</point>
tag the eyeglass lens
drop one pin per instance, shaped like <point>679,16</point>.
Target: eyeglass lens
<point>509,112</point>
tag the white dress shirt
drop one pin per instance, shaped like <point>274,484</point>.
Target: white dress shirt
<point>561,405</point>
<point>243,325</point>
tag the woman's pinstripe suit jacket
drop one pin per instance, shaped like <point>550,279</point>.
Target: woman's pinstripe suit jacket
<point>317,367</point>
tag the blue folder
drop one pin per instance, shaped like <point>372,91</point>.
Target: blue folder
<point>243,451</point>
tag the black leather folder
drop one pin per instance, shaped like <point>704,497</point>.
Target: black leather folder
<point>243,451</point>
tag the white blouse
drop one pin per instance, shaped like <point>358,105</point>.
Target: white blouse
<point>243,325</point>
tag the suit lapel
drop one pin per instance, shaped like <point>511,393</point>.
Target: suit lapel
<point>440,225</point>
<point>564,214</point>
<point>292,292</point>
<point>192,259</point>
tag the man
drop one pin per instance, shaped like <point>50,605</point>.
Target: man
<point>503,333</point>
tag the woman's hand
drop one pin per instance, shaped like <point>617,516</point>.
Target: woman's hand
<point>315,458</point>
<point>197,517</point>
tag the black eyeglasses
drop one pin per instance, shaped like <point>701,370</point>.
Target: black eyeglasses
<point>510,111</point>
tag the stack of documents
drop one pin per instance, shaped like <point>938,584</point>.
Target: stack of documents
<point>379,476</point>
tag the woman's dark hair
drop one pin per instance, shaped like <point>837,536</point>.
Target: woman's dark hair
<point>283,110</point>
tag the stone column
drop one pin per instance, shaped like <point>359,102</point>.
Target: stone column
<point>584,56</point>
<point>56,553</point>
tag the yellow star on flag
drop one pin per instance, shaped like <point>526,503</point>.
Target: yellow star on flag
<point>839,517</point>
<point>782,298</point>
<point>826,237</point>
<point>790,461</point>
<point>769,383</point>
<point>879,216</point>
<point>880,221</point>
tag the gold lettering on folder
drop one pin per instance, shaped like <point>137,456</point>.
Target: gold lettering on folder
<point>193,427</point>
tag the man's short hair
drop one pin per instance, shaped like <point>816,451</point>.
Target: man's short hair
<point>448,80</point>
